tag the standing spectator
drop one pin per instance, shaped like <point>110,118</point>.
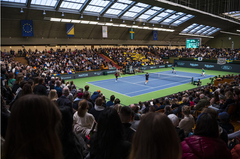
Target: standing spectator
<point>11,80</point>
<point>155,144</point>
<point>16,85</point>
<point>77,100</point>
<point>40,89</point>
<point>74,90</point>
<point>126,115</point>
<point>86,95</point>
<point>111,102</point>
<point>82,120</point>
<point>86,87</point>
<point>205,141</point>
<point>63,101</point>
<point>97,109</point>
<point>108,141</point>
<point>58,88</point>
<point>24,120</point>
<point>53,96</point>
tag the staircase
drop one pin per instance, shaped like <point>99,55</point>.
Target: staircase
<point>107,59</point>
<point>21,60</point>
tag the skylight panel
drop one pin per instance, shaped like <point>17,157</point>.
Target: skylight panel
<point>163,14</point>
<point>99,3</point>
<point>156,8</point>
<point>119,6</point>
<point>189,28</point>
<point>125,1</point>
<point>130,14</point>
<point>113,11</point>
<point>144,16</point>
<point>157,18</point>
<point>72,4</point>
<point>210,33</point>
<point>202,30</point>
<point>209,30</point>
<point>15,1</point>
<point>141,5</point>
<point>94,9</point>
<point>169,11</point>
<point>182,20</point>
<point>136,9</point>
<point>150,12</point>
<point>44,2</point>
<point>196,29</point>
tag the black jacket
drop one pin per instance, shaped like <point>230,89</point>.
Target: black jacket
<point>64,101</point>
<point>128,131</point>
<point>40,89</point>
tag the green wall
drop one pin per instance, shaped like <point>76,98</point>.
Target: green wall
<point>222,41</point>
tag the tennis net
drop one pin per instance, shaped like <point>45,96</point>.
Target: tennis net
<point>174,77</point>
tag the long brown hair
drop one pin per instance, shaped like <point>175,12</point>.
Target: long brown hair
<point>82,108</point>
<point>32,129</point>
<point>156,138</point>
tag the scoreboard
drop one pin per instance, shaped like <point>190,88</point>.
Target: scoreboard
<point>193,43</point>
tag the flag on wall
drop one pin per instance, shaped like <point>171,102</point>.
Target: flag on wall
<point>195,58</point>
<point>229,60</point>
<point>70,29</point>
<point>131,33</point>
<point>27,27</point>
<point>155,33</point>
<point>104,32</point>
<point>200,58</point>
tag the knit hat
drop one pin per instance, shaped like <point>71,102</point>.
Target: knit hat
<point>79,95</point>
<point>98,91</point>
<point>224,116</point>
<point>174,119</point>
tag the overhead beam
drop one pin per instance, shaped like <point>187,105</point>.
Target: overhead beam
<point>83,7</point>
<point>154,15</point>
<point>28,3</point>
<point>126,9</point>
<point>110,4</point>
<point>143,11</point>
<point>58,4</point>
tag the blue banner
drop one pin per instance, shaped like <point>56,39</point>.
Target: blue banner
<point>131,33</point>
<point>70,29</point>
<point>155,34</point>
<point>27,27</point>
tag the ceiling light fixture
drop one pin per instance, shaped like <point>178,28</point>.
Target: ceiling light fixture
<point>133,22</point>
<point>111,20</point>
<point>81,16</point>
<point>97,18</point>
<point>21,10</point>
<point>143,23</point>
<point>44,13</point>
<point>169,26</point>
<point>62,14</point>
<point>123,21</point>
<point>152,24</point>
<point>161,25</point>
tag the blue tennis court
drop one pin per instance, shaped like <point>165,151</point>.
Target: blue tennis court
<point>134,85</point>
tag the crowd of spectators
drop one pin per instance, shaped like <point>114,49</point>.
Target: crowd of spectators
<point>46,117</point>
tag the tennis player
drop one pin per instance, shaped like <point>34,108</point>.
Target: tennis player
<point>203,72</point>
<point>116,75</point>
<point>147,76</point>
<point>173,70</point>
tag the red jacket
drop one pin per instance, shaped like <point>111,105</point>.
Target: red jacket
<point>199,147</point>
<point>236,152</point>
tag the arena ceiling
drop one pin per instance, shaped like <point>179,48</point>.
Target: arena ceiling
<point>174,19</point>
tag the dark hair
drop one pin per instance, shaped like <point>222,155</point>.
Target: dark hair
<point>36,120</point>
<point>109,133</point>
<point>82,107</point>
<point>40,80</point>
<point>156,138</point>
<point>71,82</point>
<point>152,109</point>
<point>27,89</point>
<point>112,98</point>
<point>86,95</point>
<point>125,114</point>
<point>10,75</point>
<point>99,101</point>
<point>211,111</point>
<point>206,126</point>
<point>117,101</point>
<point>190,98</point>
<point>216,97</point>
<point>86,87</point>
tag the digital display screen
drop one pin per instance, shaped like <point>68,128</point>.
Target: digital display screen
<point>193,43</point>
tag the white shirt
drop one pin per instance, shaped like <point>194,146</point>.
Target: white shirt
<point>85,121</point>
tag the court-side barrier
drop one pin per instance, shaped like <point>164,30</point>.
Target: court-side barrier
<point>208,66</point>
<point>111,71</point>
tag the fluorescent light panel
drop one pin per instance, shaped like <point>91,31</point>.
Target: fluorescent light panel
<point>55,19</point>
<point>66,20</point>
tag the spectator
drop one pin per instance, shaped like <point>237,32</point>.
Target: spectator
<point>82,120</point>
<point>97,109</point>
<point>63,101</point>
<point>191,102</point>
<point>135,109</point>
<point>77,100</point>
<point>52,84</point>
<point>95,95</point>
<point>24,120</point>
<point>205,140</point>
<point>86,95</point>
<point>108,141</point>
<point>215,99</point>
<point>126,115</point>
<point>40,89</point>
<point>11,80</point>
<point>74,90</point>
<point>168,110</point>
<point>86,87</point>
<point>187,123</point>
<point>155,144</point>
<point>111,102</point>
<point>27,89</point>
<point>59,89</point>
<point>224,122</point>
<point>16,85</point>
<point>62,83</point>
<point>72,147</point>
<point>202,102</point>
<point>134,123</point>
<point>229,96</point>
<point>175,123</point>
<point>53,96</point>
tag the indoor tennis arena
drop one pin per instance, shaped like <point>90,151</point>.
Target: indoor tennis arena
<point>120,79</point>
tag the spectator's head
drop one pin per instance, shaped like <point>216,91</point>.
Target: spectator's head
<point>86,95</point>
<point>184,100</point>
<point>229,95</point>
<point>152,109</point>
<point>82,108</point>
<point>117,101</point>
<point>206,126</point>
<point>86,87</point>
<point>99,101</point>
<point>150,141</point>
<point>71,82</point>
<point>174,119</point>
<point>125,114</point>
<point>10,75</point>
<point>118,108</point>
<point>112,98</point>
<point>53,94</point>
<point>202,96</point>
<point>27,89</point>
<point>190,98</point>
<point>224,117</point>
<point>186,110</point>
<point>19,78</point>
<point>24,120</point>
<point>40,80</point>
<point>58,83</point>
<point>65,91</point>
<point>52,81</point>
<point>135,108</point>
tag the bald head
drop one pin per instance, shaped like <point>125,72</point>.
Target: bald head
<point>65,91</point>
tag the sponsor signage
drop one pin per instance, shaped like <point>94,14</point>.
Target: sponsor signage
<point>227,68</point>
<point>194,64</point>
<point>83,75</point>
<point>180,63</point>
<point>209,66</point>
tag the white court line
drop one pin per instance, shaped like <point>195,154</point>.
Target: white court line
<point>109,89</point>
<point>154,87</point>
<point>137,84</point>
